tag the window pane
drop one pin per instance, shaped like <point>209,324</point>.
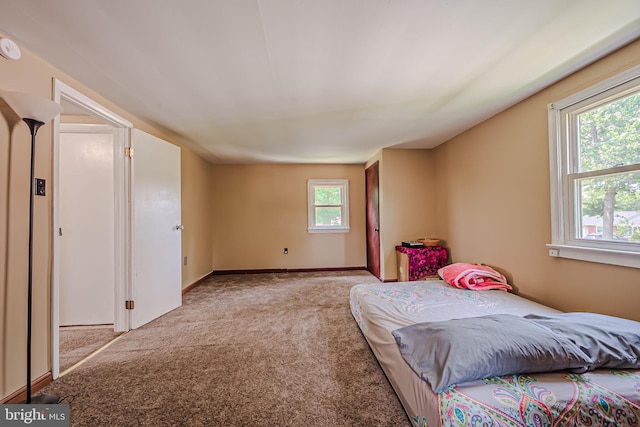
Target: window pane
<point>609,135</point>
<point>327,195</point>
<point>610,207</point>
<point>328,216</point>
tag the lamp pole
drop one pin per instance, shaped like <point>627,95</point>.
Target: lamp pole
<point>35,112</point>
<point>34,125</point>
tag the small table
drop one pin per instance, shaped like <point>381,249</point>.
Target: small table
<point>420,263</point>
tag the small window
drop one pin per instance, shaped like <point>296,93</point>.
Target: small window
<point>595,172</point>
<point>328,205</point>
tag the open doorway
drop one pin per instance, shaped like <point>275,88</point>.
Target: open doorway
<point>86,224</point>
<point>86,207</point>
<point>90,267</point>
<point>146,220</point>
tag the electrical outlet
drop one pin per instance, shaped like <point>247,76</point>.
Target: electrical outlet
<point>285,251</point>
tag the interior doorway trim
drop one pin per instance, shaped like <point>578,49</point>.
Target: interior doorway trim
<point>121,126</point>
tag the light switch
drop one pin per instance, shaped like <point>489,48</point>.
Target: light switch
<point>40,187</point>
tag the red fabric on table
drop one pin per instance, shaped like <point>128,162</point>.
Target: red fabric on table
<point>424,261</point>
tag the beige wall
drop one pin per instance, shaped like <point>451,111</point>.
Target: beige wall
<point>407,201</point>
<point>493,203</point>
<point>258,210</point>
<point>79,119</point>
<point>196,217</point>
<point>32,75</point>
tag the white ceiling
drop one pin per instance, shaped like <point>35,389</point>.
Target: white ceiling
<point>317,81</point>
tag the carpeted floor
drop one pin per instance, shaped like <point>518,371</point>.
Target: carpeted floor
<point>243,350</point>
<point>76,343</point>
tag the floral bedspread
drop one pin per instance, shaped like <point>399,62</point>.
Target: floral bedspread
<point>598,398</point>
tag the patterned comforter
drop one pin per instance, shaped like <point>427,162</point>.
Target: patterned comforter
<point>597,398</point>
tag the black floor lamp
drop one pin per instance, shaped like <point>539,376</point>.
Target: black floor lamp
<point>34,111</point>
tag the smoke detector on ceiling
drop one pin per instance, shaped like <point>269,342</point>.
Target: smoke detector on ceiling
<point>9,49</point>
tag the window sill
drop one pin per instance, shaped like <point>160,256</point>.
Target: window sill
<point>328,230</point>
<point>603,256</point>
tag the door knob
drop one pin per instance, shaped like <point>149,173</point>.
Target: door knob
<point>376,229</point>
<point>179,227</point>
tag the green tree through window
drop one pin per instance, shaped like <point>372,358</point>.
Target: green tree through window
<point>594,152</point>
<point>328,201</point>
<point>609,138</point>
<point>328,205</point>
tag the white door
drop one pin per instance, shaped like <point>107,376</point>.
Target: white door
<point>86,232</point>
<point>157,283</point>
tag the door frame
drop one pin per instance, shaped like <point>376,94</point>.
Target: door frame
<point>122,241</point>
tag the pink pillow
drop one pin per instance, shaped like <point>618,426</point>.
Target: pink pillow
<point>473,276</point>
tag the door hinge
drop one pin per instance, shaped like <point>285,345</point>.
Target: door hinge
<point>128,152</point>
<point>128,305</point>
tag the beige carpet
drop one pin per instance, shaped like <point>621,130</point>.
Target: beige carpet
<point>76,343</point>
<point>243,350</point>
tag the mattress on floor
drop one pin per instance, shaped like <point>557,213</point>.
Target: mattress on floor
<point>601,397</point>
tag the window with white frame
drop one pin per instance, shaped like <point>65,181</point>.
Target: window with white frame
<point>328,205</point>
<point>594,141</point>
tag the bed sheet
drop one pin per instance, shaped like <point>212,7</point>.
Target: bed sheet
<point>600,397</point>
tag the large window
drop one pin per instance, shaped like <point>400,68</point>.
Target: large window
<point>595,172</point>
<point>328,205</point>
